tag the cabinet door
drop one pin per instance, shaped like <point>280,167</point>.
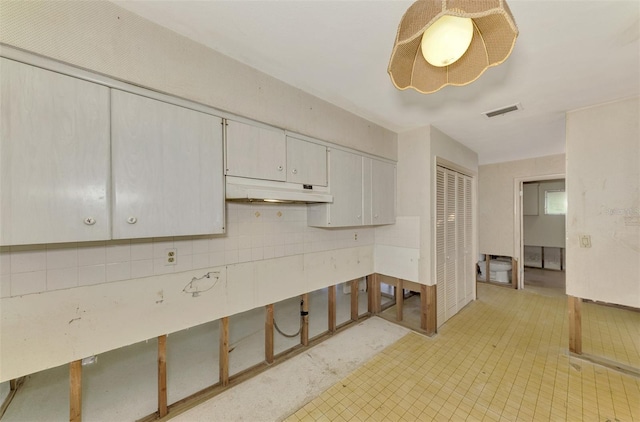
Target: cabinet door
<point>167,169</point>
<point>383,192</point>
<point>306,162</point>
<point>346,188</point>
<point>255,152</point>
<point>54,157</point>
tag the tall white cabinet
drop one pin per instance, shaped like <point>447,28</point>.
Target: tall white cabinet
<point>54,157</point>
<point>167,162</point>
<point>455,263</point>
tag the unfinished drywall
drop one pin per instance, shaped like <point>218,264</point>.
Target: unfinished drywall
<point>496,199</point>
<point>40,331</point>
<point>603,193</point>
<point>105,38</point>
<point>544,229</point>
<point>418,153</point>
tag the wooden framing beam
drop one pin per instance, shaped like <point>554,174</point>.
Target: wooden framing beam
<point>354,300</point>
<point>75,391</point>
<point>399,299</point>
<point>162,376</point>
<point>374,293</point>
<point>224,351</point>
<point>514,273</point>
<point>575,324</point>
<point>304,332</point>
<point>487,260</point>
<point>268,334</point>
<point>332,309</point>
<point>428,310</point>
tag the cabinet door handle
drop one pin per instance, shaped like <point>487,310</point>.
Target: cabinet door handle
<point>280,168</point>
<point>294,171</point>
<point>89,221</point>
<point>132,220</point>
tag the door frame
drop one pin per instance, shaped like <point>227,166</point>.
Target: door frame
<point>518,218</point>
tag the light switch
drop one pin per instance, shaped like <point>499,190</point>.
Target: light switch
<point>585,241</point>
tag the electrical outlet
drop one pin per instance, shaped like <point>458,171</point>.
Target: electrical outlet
<point>355,236</point>
<point>171,257</point>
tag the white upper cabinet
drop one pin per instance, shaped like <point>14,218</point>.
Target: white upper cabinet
<point>383,192</point>
<point>363,189</point>
<point>345,184</point>
<point>306,162</point>
<point>167,169</point>
<point>54,157</point>
<point>256,152</point>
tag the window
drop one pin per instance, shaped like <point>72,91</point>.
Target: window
<point>555,202</point>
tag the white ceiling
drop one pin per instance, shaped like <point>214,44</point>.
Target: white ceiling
<point>570,54</point>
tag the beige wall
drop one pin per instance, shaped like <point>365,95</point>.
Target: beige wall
<point>543,229</point>
<point>603,183</point>
<point>496,199</point>
<point>102,37</point>
<point>418,151</point>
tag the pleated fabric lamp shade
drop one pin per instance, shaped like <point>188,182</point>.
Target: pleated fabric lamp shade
<point>494,36</point>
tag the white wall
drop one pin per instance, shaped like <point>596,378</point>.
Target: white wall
<point>64,302</point>
<point>418,151</point>
<point>496,199</point>
<point>542,229</point>
<point>603,193</point>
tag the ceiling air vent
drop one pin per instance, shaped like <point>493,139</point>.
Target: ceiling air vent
<point>501,111</point>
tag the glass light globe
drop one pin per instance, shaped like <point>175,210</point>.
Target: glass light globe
<point>446,40</point>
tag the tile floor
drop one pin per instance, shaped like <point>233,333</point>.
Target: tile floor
<point>502,358</point>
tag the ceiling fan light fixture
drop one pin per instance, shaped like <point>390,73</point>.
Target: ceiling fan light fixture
<point>413,65</point>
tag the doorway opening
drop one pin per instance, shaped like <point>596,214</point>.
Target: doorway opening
<point>541,234</point>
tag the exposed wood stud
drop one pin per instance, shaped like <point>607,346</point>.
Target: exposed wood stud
<point>373,284</point>
<point>268,334</point>
<point>75,391</point>
<point>304,333</point>
<point>13,384</point>
<point>514,273</point>
<point>162,376</point>
<point>487,260</point>
<point>428,310</point>
<point>224,351</point>
<point>399,299</point>
<point>354,300</point>
<point>332,309</point>
<point>575,324</point>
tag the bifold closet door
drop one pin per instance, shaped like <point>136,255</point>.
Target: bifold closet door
<point>454,242</point>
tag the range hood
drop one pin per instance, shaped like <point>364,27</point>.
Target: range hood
<point>255,190</point>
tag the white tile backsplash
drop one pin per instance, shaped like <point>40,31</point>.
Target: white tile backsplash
<point>141,268</point>
<point>28,282</point>
<point>254,232</point>
<point>118,271</point>
<point>23,261</point>
<point>62,258</point>
<point>62,278</point>
<point>92,274</point>
<point>5,285</point>
<point>92,255</point>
